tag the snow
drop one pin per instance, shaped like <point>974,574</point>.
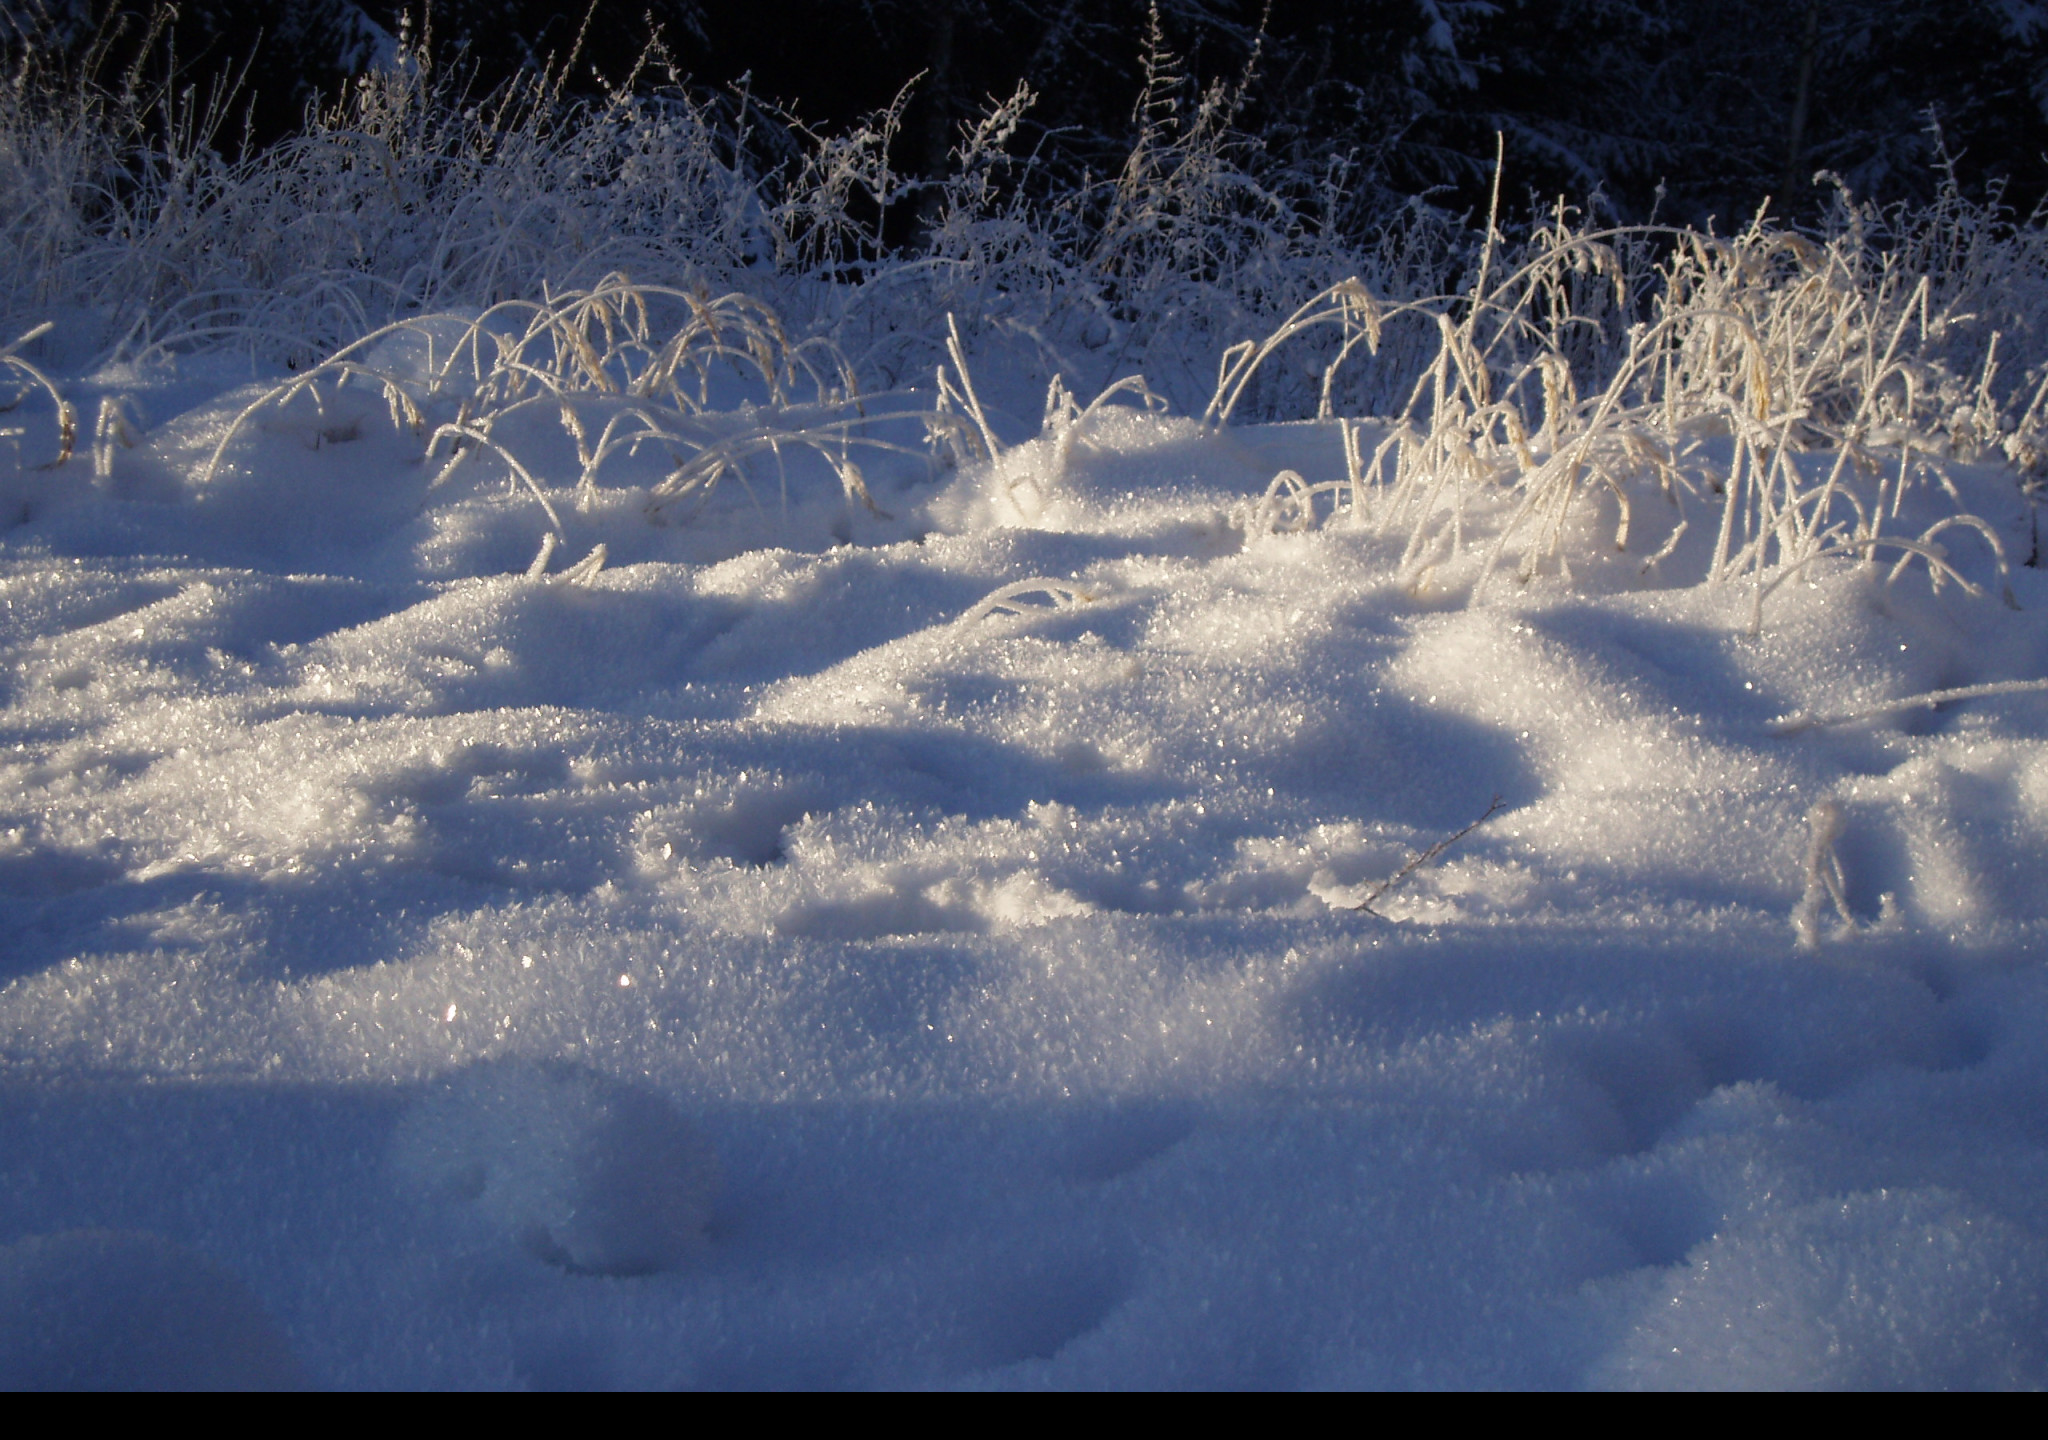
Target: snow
<point>948,942</point>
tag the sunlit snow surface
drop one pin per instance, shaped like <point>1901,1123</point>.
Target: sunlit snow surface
<point>756,966</point>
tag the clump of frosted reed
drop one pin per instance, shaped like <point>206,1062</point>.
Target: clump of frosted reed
<point>625,369</point>
<point>1784,392</point>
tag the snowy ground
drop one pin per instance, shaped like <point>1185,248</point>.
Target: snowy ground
<point>762,963</point>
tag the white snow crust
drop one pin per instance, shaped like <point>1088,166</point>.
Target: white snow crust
<point>948,941</point>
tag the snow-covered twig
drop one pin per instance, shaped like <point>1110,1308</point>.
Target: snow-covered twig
<point>1416,862</point>
<point>1805,720</point>
<point>1824,879</point>
<point>1064,594</point>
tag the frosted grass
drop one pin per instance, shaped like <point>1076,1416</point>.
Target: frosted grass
<point>1131,795</point>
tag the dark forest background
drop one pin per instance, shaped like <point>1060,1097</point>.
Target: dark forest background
<point>1691,110</point>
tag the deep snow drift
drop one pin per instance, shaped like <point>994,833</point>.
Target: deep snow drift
<point>945,937</point>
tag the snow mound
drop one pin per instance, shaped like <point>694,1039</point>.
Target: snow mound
<point>1880,1290</point>
<point>583,1172</point>
<point>112,1310</point>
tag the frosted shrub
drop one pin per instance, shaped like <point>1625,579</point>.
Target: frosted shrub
<point>409,195</point>
<point>406,195</point>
